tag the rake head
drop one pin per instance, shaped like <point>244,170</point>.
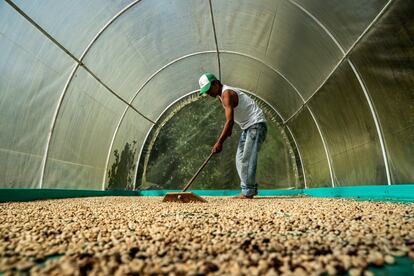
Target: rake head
<point>183,197</point>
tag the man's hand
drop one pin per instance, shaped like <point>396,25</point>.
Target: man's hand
<point>216,148</point>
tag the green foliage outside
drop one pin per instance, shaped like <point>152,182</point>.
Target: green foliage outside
<point>121,173</point>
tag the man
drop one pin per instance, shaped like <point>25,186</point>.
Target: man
<point>241,109</point>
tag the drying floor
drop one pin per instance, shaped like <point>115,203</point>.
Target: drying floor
<point>142,235</point>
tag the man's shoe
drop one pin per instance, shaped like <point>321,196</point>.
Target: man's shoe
<point>242,196</point>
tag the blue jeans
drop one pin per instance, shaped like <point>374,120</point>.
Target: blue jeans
<point>246,158</point>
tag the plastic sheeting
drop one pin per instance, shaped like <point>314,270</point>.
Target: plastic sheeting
<point>350,136</point>
<point>87,133</point>
<point>82,84</point>
<point>33,71</point>
<point>386,63</point>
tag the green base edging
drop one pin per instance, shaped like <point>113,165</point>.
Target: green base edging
<point>36,194</point>
<point>395,193</point>
<point>222,192</point>
<point>399,193</point>
<point>403,266</point>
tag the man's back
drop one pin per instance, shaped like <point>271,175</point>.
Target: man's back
<point>247,112</point>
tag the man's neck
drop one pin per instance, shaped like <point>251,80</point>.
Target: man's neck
<point>220,89</point>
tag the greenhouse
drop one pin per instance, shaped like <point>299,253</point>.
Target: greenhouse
<point>102,119</point>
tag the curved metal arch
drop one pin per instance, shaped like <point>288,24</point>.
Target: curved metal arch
<point>300,156</point>
<point>378,127</point>
<point>215,36</point>
<point>195,91</point>
<point>148,133</point>
<point>79,63</point>
<point>171,63</point>
<point>357,74</point>
<point>304,103</point>
<point>291,134</point>
<point>320,24</point>
<point>346,54</point>
<point>268,66</point>
<point>191,55</point>
<point>133,98</point>
<point>327,152</point>
<point>65,88</point>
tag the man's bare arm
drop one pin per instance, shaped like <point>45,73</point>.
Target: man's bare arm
<point>228,126</point>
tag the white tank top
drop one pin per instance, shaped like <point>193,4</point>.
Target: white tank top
<point>247,112</point>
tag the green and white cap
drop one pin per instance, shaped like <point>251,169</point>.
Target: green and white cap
<point>205,82</point>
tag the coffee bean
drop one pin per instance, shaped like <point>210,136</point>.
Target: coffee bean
<point>141,235</point>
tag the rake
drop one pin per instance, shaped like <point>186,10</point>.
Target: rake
<point>184,196</point>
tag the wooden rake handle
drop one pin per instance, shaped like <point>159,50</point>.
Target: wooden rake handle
<point>199,170</point>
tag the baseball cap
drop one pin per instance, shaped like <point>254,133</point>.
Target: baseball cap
<point>205,82</point>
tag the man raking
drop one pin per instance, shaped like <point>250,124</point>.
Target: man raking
<point>243,110</point>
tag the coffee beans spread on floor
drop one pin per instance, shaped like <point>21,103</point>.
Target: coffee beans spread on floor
<point>263,236</point>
